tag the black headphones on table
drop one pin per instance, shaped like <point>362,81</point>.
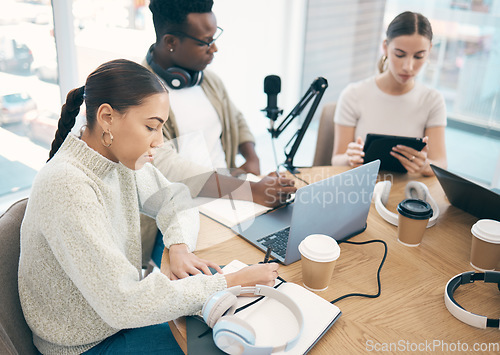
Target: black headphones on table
<point>458,311</point>
<point>175,77</point>
<point>234,335</point>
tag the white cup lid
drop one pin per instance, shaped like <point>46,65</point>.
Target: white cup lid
<point>487,230</point>
<point>320,248</point>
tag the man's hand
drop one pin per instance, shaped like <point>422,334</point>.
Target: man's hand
<point>273,190</point>
<point>251,166</point>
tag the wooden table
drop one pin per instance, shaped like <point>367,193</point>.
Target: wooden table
<point>410,314</point>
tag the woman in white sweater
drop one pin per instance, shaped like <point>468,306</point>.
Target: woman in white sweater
<point>394,103</point>
<point>80,280</point>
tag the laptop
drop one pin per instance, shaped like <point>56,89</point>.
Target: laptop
<point>337,206</point>
<point>477,200</point>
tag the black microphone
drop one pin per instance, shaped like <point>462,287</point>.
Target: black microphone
<point>272,87</point>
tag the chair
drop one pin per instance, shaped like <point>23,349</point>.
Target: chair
<point>15,335</point>
<point>324,141</point>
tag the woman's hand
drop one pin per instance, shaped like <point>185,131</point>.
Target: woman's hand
<point>413,161</point>
<point>261,274</point>
<point>354,152</point>
<point>183,263</point>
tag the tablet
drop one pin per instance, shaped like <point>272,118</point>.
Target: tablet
<point>379,146</point>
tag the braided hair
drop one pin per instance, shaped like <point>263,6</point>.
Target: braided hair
<point>120,83</point>
<point>69,111</point>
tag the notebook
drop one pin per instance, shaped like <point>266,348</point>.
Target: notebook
<point>229,211</point>
<point>337,206</point>
<point>477,200</point>
<point>265,315</point>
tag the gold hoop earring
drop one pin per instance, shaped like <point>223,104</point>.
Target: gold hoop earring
<point>82,129</point>
<point>382,66</point>
<point>103,141</point>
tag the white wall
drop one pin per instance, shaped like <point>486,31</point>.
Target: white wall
<point>260,38</point>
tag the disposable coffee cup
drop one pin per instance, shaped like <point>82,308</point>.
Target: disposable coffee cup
<point>413,217</point>
<point>319,254</point>
<point>485,246</point>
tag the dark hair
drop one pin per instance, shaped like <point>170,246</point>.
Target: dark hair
<point>120,83</point>
<point>170,15</point>
<point>407,23</point>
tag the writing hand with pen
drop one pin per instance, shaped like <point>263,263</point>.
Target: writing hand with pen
<point>257,274</point>
<point>273,190</point>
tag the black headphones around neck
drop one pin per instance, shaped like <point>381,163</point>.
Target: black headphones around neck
<point>175,77</point>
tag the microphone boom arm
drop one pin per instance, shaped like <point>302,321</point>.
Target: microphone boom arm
<point>316,90</point>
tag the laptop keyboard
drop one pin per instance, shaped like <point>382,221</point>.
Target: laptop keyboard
<point>277,241</point>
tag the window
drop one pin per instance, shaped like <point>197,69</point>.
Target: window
<point>90,32</point>
<point>28,88</point>
<point>30,94</point>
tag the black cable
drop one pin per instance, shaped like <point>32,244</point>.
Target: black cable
<point>295,175</point>
<point>378,272</point>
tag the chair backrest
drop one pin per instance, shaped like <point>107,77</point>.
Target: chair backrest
<point>324,141</point>
<point>15,335</point>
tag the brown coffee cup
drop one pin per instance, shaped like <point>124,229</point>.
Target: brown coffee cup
<point>485,246</point>
<point>319,254</point>
<point>413,217</point>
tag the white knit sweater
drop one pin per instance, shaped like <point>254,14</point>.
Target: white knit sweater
<point>80,266</point>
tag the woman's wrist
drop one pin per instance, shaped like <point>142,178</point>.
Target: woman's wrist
<point>179,248</point>
<point>340,159</point>
<point>231,280</point>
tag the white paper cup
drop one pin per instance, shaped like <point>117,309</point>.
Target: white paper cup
<point>319,254</point>
<point>485,246</point>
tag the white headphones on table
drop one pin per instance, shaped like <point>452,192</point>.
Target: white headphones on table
<point>414,189</point>
<point>458,311</point>
<point>234,335</point>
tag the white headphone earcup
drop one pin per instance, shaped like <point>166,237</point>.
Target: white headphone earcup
<point>381,196</point>
<point>382,189</point>
<point>418,190</point>
<point>215,308</point>
<point>231,334</point>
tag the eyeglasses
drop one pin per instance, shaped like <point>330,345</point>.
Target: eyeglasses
<point>217,34</point>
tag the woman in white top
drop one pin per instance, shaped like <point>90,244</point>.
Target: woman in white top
<point>394,103</point>
<point>80,275</point>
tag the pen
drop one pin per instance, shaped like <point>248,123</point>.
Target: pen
<point>268,254</point>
